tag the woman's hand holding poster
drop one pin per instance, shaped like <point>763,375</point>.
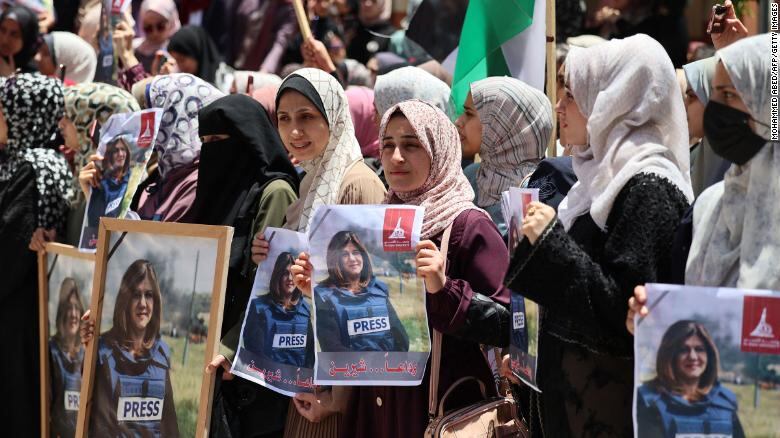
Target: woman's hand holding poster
<point>707,362</point>
<point>276,348</point>
<point>524,337</point>
<point>371,325</point>
<point>125,144</point>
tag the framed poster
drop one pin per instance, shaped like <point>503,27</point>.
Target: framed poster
<point>707,362</point>
<point>371,323</point>
<point>65,286</point>
<point>157,306</point>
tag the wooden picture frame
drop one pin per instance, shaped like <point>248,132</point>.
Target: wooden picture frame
<point>44,275</point>
<point>222,237</point>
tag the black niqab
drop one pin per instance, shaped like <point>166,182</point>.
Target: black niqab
<point>253,156</point>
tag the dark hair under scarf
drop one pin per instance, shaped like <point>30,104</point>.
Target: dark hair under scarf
<point>33,105</point>
<point>193,41</point>
<point>228,169</point>
<point>28,23</point>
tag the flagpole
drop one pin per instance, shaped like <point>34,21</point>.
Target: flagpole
<point>551,71</point>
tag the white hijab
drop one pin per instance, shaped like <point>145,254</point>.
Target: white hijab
<point>76,54</point>
<point>636,124</point>
<point>736,223</point>
<point>325,173</point>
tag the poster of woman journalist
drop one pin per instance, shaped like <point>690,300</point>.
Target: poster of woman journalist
<point>706,362</point>
<point>524,336</point>
<point>276,347</point>
<point>371,325</point>
<point>125,145</point>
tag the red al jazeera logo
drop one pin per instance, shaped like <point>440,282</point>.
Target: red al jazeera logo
<point>761,325</point>
<point>146,136</point>
<point>397,229</point>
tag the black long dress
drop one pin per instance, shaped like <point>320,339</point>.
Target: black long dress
<point>583,280</point>
<point>19,305</point>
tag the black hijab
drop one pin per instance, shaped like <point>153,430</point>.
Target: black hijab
<point>193,41</point>
<point>230,169</point>
<point>28,23</point>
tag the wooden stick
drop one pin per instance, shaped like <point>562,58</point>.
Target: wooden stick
<point>303,19</point>
<point>551,72</point>
<point>91,350</point>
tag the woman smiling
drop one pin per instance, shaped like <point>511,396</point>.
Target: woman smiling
<point>134,363</point>
<point>685,397</point>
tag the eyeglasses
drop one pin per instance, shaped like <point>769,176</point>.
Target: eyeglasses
<point>160,26</point>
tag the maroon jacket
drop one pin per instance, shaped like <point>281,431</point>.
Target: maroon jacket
<point>477,260</point>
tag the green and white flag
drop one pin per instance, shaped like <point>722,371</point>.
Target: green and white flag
<point>475,39</point>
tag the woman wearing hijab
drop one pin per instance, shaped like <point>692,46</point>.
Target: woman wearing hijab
<point>361,106</point>
<point>159,20</point>
<point>735,221</point>
<point>245,180</point>
<point>421,154</point>
<point>18,40</point>
<point>509,124</point>
<point>195,53</point>
<point>316,128</point>
<point>612,231</point>
<point>411,83</point>
<point>708,168</point>
<point>70,50</point>
<point>34,193</point>
<point>168,194</point>
<point>374,23</point>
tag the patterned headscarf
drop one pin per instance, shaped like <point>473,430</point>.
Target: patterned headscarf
<point>327,170</point>
<point>32,105</point>
<point>181,96</point>
<point>516,126</point>
<point>446,193</point>
<point>411,83</point>
<point>86,102</point>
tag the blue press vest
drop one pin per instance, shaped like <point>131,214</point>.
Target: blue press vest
<point>712,415</point>
<point>519,335</point>
<point>286,327</point>
<point>138,385</point>
<point>70,373</point>
<point>363,319</point>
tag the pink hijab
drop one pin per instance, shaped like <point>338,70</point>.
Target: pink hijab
<point>266,95</point>
<point>361,106</point>
<point>446,193</point>
<point>167,9</point>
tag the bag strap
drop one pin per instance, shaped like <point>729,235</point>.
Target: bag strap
<point>433,384</point>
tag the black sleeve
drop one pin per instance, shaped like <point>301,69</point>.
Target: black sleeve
<point>328,333</point>
<point>487,322</point>
<point>170,425</point>
<point>18,206</point>
<point>593,295</point>
<point>400,337</point>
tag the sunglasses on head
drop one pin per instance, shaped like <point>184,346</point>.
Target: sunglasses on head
<point>160,26</point>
